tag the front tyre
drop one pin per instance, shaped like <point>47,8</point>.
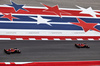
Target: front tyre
<point>19,51</point>
<point>87,47</point>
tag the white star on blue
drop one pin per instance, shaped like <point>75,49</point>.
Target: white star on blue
<point>17,7</point>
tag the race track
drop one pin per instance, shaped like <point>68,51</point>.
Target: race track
<point>95,4</point>
<point>49,51</point>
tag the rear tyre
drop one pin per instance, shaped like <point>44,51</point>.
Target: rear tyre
<point>4,50</point>
<point>15,48</point>
<point>77,46</point>
<point>8,52</point>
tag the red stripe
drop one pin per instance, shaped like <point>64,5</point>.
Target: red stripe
<point>40,11</point>
<point>2,63</point>
<point>70,63</point>
<point>12,63</point>
<point>51,37</point>
<point>75,63</point>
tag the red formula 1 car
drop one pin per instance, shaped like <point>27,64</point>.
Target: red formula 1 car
<point>82,46</point>
<point>12,50</point>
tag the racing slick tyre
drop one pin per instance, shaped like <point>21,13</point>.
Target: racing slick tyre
<point>87,47</point>
<point>18,51</point>
<point>6,51</point>
<point>77,46</point>
<point>15,48</point>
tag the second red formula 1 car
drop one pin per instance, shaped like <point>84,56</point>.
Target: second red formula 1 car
<point>12,50</point>
<point>82,46</point>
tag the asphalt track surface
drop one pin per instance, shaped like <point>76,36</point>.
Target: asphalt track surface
<point>49,51</point>
<point>95,4</point>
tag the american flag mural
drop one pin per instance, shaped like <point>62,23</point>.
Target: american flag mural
<point>19,21</point>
